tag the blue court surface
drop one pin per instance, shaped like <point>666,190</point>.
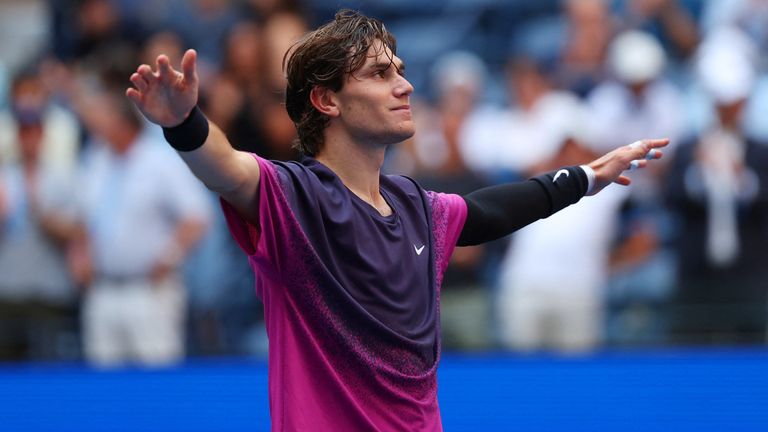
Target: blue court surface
<point>665,390</point>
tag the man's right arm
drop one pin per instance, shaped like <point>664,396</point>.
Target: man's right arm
<point>233,174</point>
<point>168,98</point>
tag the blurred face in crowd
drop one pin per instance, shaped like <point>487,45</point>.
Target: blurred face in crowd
<point>29,99</point>
<point>730,113</point>
<point>30,138</point>
<point>265,7</point>
<point>97,17</point>
<point>374,102</point>
<point>527,82</point>
<point>168,43</point>
<point>243,51</point>
<point>586,11</point>
<point>590,31</point>
<point>113,119</point>
<point>278,35</point>
<point>211,6</point>
<point>29,95</point>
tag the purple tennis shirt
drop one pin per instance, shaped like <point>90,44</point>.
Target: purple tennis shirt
<point>351,298</point>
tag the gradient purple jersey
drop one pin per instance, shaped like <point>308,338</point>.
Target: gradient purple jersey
<point>351,298</point>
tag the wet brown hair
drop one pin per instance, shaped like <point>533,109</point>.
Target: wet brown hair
<point>324,57</point>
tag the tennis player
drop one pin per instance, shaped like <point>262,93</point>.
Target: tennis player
<point>348,261</point>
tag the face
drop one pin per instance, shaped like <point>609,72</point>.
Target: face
<point>374,102</point>
<point>30,142</point>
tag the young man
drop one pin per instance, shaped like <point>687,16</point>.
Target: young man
<point>348,261</point>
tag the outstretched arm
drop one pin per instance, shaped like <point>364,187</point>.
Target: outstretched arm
<point>497,211</point>
<point>168,98</point>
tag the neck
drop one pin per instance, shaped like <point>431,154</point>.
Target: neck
<point>359,168</point>
<point>122,141</point>
<point>29,166</point>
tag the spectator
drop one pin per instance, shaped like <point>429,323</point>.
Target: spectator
<point>751,17</point>
<point>29,97</point>
<point>669,20</point>
<point>95,34</point>
<point>589,28</point>
<point>717,189</point>
<point>225,317</point>
<point>553,276</point>
<point>262,10</point>
<point>203,24</point>
<point>495,143</point>
<point>243,59</point>
<point>234,96</point>
<point>141,213</point>
<point>280,32</point>
<point>639,99</point>
<point>36,221</point>
<point>164,42</point>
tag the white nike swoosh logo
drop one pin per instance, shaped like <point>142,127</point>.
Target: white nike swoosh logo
<point>562,171</point>
<point>418,250</point>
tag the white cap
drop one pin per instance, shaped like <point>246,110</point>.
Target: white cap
<point>725,65</point>
<point>636,57</point>
<point>459,69</point>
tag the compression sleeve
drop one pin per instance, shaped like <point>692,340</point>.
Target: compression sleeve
<point>496,211</point>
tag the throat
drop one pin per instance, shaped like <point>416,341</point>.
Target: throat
<point>361,176</point>
<point>376,201</point>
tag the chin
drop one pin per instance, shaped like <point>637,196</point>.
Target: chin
<point>395,135</point>
<point>407,131</point>
<point>401,136</point>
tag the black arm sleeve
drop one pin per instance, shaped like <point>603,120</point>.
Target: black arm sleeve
<point>496,211</point>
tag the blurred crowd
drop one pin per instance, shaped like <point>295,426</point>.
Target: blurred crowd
<point>111,251</point>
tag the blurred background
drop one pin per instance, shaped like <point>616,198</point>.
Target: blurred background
<point>93,200</point>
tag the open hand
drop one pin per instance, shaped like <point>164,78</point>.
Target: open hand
<point>610,168</point>
<point>164,95</point>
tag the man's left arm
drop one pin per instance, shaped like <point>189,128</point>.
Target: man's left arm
<point>186,235</point>
<point>189,204</point>
<point>497,211</point>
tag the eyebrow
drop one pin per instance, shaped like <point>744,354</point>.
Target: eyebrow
<point>385,65</point>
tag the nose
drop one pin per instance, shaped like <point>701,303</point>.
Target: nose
<point>403,87</point>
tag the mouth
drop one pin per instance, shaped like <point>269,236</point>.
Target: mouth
<point>402,108</point>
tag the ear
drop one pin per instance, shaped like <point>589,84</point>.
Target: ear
<point>323,100</point>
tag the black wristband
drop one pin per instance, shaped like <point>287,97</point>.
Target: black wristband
<point>190,134</point>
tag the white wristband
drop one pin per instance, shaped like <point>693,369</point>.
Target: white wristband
<point>590,177</point>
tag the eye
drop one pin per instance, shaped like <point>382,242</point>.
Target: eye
<point>381,73</point>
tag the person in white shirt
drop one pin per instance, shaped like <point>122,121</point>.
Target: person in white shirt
<point>141,212</point>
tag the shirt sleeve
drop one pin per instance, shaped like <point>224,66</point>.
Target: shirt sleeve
<point>274,228</point>
<point>449,212</point>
